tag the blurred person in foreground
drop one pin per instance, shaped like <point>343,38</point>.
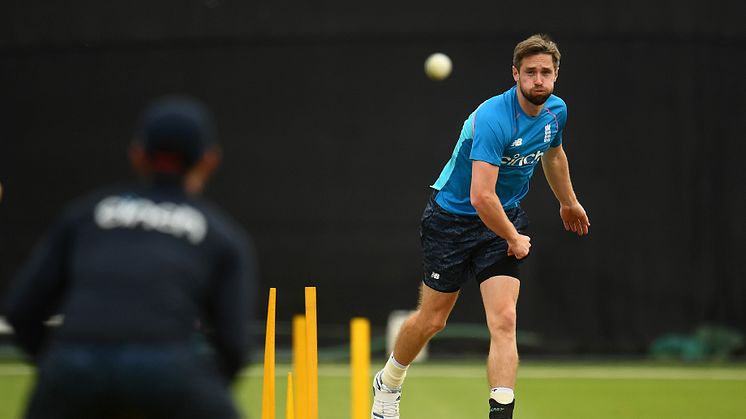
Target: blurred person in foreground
<point>473,227</point>
<point>144,277</point>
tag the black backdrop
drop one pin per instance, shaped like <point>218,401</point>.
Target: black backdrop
<point>332,133</point>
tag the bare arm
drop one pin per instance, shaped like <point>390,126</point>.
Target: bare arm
<point>557,172</point>
<point>490,209</point>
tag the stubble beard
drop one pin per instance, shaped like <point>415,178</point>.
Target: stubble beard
<point>536,99</point>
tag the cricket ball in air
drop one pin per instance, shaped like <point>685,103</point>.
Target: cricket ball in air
<point>438,66</point>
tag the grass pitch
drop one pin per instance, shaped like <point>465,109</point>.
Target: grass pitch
<point>544,391</point>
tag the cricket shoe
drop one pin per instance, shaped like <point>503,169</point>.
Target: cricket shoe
<point>501,411</point>
<point>385,400</point>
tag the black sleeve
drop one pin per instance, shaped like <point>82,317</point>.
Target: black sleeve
<point>38,289</point>
<point>231,308</point>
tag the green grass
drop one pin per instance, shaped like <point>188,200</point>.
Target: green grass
<point>544,390</point>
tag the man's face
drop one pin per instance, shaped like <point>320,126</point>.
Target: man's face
<point>536,78</point>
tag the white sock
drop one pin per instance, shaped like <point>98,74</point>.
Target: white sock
<point>502,395</point>
<point>393,373</point>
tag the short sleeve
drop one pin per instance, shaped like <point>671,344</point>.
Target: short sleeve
<point>489,140</point>
<point>561,120</point>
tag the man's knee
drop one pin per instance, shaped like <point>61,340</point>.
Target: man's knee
<point>431,322</point>
<point>433,310</point>
<point>502,322</point>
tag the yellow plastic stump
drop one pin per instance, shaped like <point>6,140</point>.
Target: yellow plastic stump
<point>289,403</point>
<point>299,366</point>
<point>268,386</point>
<point>360,367</point>
<point>312,359</point>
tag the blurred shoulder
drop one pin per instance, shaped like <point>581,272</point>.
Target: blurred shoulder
<point>84,204</point>
<point>222,225</point>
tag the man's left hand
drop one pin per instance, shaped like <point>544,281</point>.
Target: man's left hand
<point>575,219</point>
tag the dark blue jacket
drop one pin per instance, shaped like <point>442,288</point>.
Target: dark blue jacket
<point>143,264</point>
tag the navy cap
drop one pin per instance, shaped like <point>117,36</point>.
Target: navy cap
<point>175,131</point>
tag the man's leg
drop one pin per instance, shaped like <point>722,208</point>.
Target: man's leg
<point>416,331</point>
<point>500,296</point>
<point>423,324</point>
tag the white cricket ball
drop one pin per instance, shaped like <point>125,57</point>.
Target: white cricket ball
<point>438,66</point>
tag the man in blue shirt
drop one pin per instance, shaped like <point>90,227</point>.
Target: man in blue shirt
<point>474,228</point>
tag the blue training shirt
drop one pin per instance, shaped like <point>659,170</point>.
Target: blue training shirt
<point>500,133</point>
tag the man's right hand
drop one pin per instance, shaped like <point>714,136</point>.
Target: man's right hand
<point>519,247</point>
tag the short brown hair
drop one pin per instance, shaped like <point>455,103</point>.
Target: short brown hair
<point>536,44</point>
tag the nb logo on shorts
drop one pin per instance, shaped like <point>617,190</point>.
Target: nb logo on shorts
<point>435,275</point>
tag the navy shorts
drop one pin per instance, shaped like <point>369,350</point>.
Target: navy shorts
<point>457,248</point>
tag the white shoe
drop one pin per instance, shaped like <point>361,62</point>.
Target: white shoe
<point>385,400</point>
